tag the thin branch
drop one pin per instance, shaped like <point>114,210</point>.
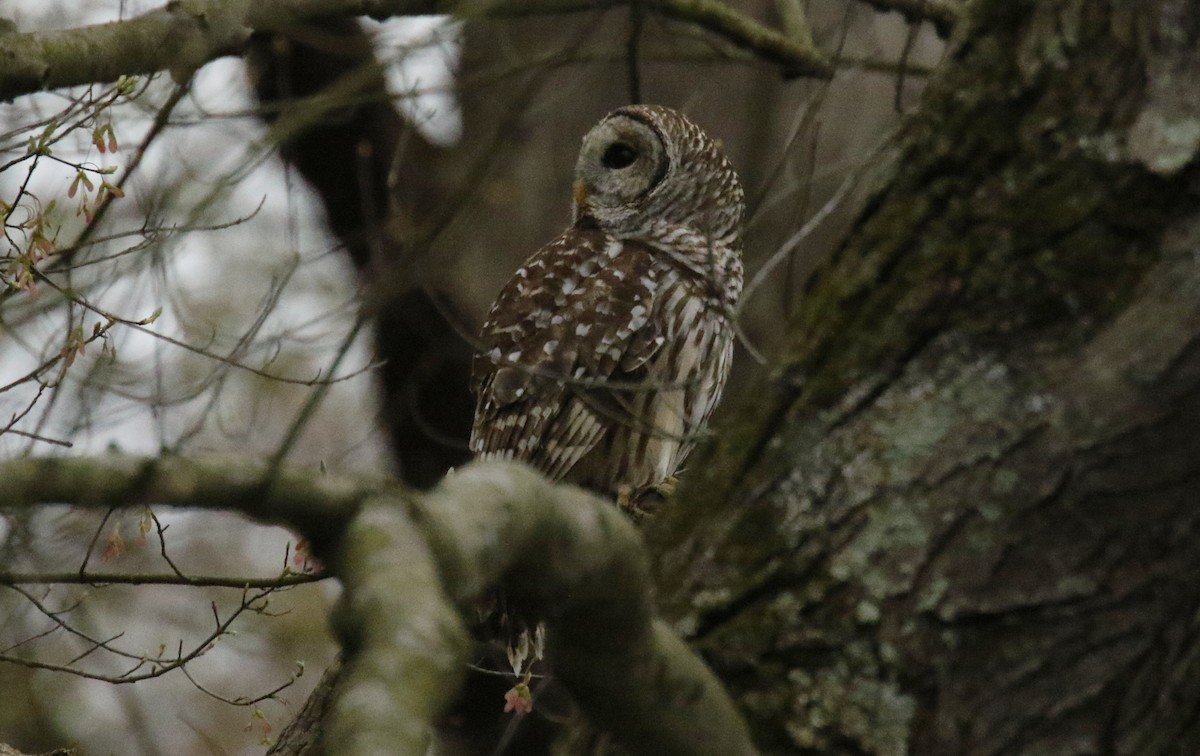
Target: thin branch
<point>91,549</point>
<point>794,55</point>
<point>124,578</point>
<point>159,664</point>
<point>160,530</point>
<point>314,399</point>
<point>156,130</point>
<point>143,324</point>
<point>245,700</point>
<point>36,437</point>
<point>315,504</point>
<point>781,255</point>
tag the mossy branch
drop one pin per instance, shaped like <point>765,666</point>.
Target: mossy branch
<point>412,565</point>
<point>178,37</point>
<point>185,34</point>
<point>795,54</point>
<point>318,506</point>
<point>405,644</point>
<point>582,565</point>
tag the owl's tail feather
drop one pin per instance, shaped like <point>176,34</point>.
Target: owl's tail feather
<point>525,646</point>
<point>524,638</point>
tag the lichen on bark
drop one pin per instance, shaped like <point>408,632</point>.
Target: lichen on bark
<point>918,528</point>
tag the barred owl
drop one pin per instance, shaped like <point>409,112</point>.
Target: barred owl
<point>604,356</point>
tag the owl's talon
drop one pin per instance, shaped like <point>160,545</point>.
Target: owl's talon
<point>666,489</point>
<point>625,497</point>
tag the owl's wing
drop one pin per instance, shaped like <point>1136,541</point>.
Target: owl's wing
<point>566,332</point>
<point>548,427</point>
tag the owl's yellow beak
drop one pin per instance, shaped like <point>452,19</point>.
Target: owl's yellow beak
<point>580,196</point>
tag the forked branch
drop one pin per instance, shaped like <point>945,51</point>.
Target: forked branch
<point>413,565</point>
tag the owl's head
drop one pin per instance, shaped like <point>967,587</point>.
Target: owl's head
<point>645,171</point>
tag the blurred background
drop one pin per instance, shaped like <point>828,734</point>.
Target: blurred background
<point>233,322</point>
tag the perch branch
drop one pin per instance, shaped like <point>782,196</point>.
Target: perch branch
<point>406,647</point>
<point>578,562</point>
<point>412,565</point>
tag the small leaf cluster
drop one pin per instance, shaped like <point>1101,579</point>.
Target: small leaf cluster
<point>31,226</point>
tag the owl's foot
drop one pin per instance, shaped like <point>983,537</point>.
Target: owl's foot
<point>625,497</point>
<point>633,502</point>
<point>666,489</point>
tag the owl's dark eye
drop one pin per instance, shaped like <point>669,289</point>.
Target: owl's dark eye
<point>618,155</point>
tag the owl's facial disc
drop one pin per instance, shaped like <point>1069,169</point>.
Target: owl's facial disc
<point>621,160</point>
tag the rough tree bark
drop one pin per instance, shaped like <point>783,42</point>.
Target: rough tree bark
<point>965,520</point>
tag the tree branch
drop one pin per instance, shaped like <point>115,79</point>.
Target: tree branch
<point>795,55</point>
<point>411,565</point>
<point>184,35</point>
<point>113,578</point>
<point>179,37</point>
<point>316,505</point>
<point>406,645</point>
<point>574,559</point>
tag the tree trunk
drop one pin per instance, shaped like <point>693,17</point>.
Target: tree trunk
<point>962,523</point>
<point>336,124</point>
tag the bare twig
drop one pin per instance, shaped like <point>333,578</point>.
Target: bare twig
<point>142,326</point>
<point>793,54</point>
<point>159,664</point>
<point>123,578</point>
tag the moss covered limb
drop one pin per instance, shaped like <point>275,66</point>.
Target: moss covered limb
<point>412,565</point>
<point>576,560</point>
<point>178,37</point>
<point>405,643</point>
<point>317,506</point>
